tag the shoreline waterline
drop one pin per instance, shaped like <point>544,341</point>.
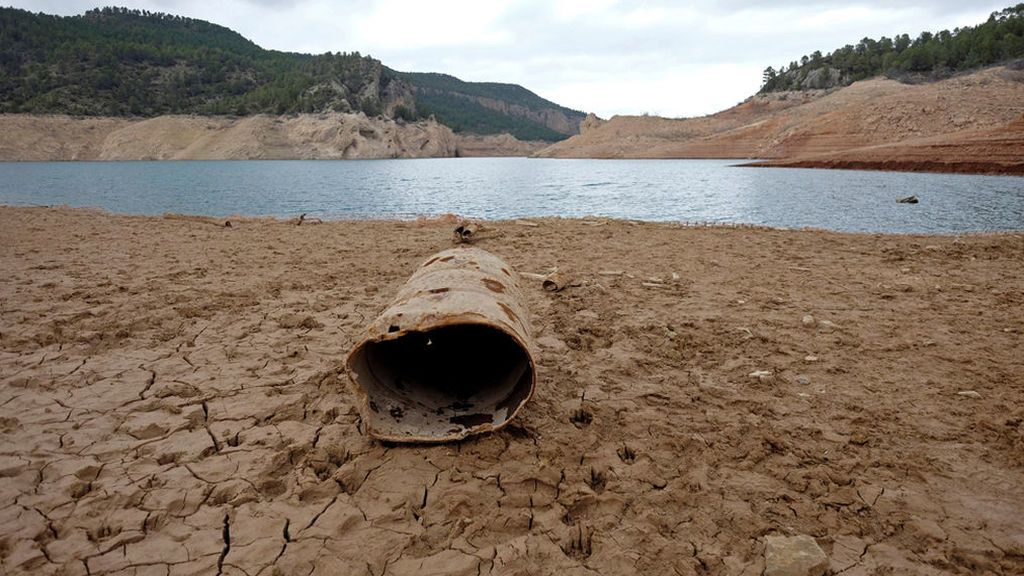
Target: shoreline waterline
<point>712,191</point>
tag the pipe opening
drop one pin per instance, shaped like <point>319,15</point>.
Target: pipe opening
<point>443,381</point>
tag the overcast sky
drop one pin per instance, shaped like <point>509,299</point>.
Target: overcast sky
<point>603,56</point>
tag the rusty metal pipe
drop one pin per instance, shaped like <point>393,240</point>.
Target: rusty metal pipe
<point>452,356</point>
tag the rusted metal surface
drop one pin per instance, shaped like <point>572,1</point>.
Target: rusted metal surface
<point>452,356</point>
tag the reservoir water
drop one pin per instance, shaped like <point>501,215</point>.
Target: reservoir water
<point>502,188</point>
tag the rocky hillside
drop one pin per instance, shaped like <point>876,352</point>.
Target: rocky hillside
<point>968,123</point>
<point>129,63</point>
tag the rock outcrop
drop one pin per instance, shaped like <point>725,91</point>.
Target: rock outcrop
<point>371,85</point>
<point>591,122</point>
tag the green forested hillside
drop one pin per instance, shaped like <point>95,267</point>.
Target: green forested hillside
<point>999,39</point>
<point>116,61</point>
<point>122,62</point>
<point>462,106</point>
<point>511,93</point>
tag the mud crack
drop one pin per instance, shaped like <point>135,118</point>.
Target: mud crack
<point>226,535</point>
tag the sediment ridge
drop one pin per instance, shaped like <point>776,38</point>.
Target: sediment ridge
<point>262,137</point>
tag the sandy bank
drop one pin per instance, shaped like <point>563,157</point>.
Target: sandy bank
<point>304,136</point>
<point>170,402</point>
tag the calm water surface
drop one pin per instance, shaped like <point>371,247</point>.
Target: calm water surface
<point>497,188</point>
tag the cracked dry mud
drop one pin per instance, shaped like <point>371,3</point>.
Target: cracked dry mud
<point>171,403</point>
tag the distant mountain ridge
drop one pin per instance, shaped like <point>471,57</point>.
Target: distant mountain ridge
<point>122,62</point>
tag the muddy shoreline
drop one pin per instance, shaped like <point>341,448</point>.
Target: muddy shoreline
<point>172,402</point>
<point>932,166</point>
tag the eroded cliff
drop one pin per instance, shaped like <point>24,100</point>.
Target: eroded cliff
<point>303,136</point>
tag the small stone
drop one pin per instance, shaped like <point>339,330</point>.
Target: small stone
<point>807,320</point>
<point>810,358</point>
<point>858,439</point>
<point>760,374</point>
<point>827,326</point>
<point>793,556</point>
<point>803,380</point>
<point>969,394</point>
